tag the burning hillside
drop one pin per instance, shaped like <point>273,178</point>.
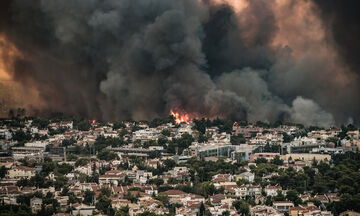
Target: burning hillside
<point>180,117</point>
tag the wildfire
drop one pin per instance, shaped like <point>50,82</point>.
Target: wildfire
<point>93,121</point>
<point>180,117</point>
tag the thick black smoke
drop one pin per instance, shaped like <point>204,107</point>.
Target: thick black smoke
<point>121,59</point>
<point>342,20</point>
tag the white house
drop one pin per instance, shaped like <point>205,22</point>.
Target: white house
<point>246,176</point>
<point>283,206</point>
<point>82,209</point>
<point>272,190</point>
<point>21,172</point>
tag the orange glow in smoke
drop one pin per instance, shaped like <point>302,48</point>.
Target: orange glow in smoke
<point>180,117</point>
<point>237,5</point>
<point>94,121</point>
<point>15,94</point>
<point>7,55</point>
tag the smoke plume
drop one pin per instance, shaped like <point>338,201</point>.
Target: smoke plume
<point>244,59</point>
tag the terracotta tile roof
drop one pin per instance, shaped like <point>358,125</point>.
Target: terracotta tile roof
<point>217,198</point>
<point>296,208</point>
<point>312,208</point>
<point>25,168</point>
<point>174,192</point>
<point>321,197</point>
<point>272,187</point>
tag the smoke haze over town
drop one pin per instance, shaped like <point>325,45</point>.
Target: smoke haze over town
<point>248,60</point>
<point>180,107</point>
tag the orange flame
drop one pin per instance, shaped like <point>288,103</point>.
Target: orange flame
<point>180,117</point>
<point>94,121</point>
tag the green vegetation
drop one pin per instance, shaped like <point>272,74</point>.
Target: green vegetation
<point>159,121</point>
<point>237,140</point>
<point>82,162</point>
<point>103,142</point>
<point>49,205</point>
<point>242,207</point>
<point>107,155</point>
<point>40,123</point>
<point>181,144</point>
<point>22,136</point>
<point>118,125</point>
<point>223,125</point>
<point>68,142</point>
<point>201,171</point>
<point>156,181</point>
<point>3,171</point>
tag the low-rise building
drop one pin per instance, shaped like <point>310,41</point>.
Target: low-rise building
<point>35,204</point>
<point>283,206</point>
<point>248,176</point>
<point>23,152</point>
<point>349,213</point>
<point>306,157</point>
<point>82,209</point>
<point>267,156</point>
<point>261,210</point>
<point>112,177</point>
<point>272,190</point>
<point>19,172</point>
